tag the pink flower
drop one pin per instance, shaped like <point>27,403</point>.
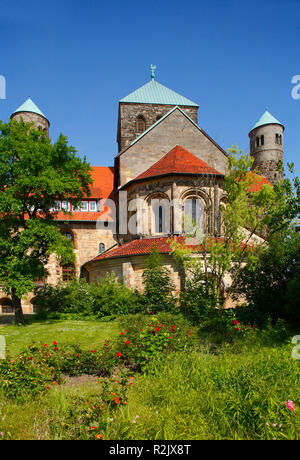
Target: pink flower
<point>290,405</point>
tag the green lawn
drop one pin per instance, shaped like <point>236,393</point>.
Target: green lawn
<point>88,334</point>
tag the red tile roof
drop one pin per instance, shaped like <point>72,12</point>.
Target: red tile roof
<point>144,246</point>
<point>140,247</point>
<point>258,182</point>
<point>178,160</point>
<point>103,185</point>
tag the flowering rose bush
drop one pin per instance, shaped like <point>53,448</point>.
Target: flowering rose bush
<point>153,335</point>
<point>25,376</point>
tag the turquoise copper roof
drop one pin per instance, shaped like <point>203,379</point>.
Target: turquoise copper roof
<point>29,106</point>
<point>266,119</point>
<point>156,93</point>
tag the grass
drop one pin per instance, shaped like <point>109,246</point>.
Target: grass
<point>238,391</point>
<point>88,334</point>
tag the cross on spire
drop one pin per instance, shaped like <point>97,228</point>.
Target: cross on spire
<point>153,67</point>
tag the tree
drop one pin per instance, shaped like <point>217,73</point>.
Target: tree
<point>249,218</point>
<point>157,283</point>
<point>34,173</point>
<point>270,284</point>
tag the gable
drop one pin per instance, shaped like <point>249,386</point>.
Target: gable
<point>178,161</point>
<point>175,128</point>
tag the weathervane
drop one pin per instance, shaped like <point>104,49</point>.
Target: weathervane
<point>153,67</point>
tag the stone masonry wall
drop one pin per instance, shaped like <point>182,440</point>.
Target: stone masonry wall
<point>128,114</point>
<point>174,130</point>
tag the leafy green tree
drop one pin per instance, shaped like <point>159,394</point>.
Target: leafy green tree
<point>271,283</point>
<point>34,173</point>
<point>157,284</point>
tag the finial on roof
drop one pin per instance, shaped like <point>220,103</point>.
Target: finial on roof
<point>153,67</point>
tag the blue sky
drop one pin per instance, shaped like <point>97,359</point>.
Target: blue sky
<point>77,58</point>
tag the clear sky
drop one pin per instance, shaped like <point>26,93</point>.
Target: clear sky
<point>77,58</point>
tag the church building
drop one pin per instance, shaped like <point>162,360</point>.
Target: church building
<point>166,168</point>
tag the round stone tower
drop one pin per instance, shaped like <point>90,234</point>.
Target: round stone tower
<point>31,113</point>
<point>266,147</point>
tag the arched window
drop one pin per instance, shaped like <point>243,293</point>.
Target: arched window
<point>6,306</point>
<point>193,215</point>
<point>34,306</point>
<point>260,140</point>
<point>101,248</point>
<point>160,219</point>
<point>140,124</point>
<point>68,272</point>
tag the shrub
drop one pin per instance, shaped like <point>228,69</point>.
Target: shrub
<point>144,340</point>
<point>25,377</point>
<point>158,288</point>
<point>78,299</point>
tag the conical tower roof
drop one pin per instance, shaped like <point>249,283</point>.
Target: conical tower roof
<point>266,119</point>
<point>29,106</point>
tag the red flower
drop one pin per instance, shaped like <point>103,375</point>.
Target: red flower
<point>235,322</point>
<point>92,428</point>
<point>92,351</point>
<point>78,355</point>
<point>173,327</point>
<point>54,343</point>
<point>30,357</point>
<point>127,330</point>
<point>117,400</point>
<point>250,325</point>
<point>127,342</point>
<point>122,333</point>
<point>237,328</point>
<point>118,354</point>
<point>158,328</point>
<point>149,312</point>
<point>45,345</point>
<point>56,348</point>
<point>190,333</point>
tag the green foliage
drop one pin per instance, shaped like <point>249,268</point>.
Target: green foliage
<point>146,338</point>
<point>159,289</point>
<point>79,299</point>
<point>270,283</point>
<point>88,418</point>
<point>24,377</point>
<point>34,174</point>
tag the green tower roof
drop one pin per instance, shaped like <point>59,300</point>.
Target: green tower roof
<point>29,106</point>
<point>266,119</point>
<point>156,93</point>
